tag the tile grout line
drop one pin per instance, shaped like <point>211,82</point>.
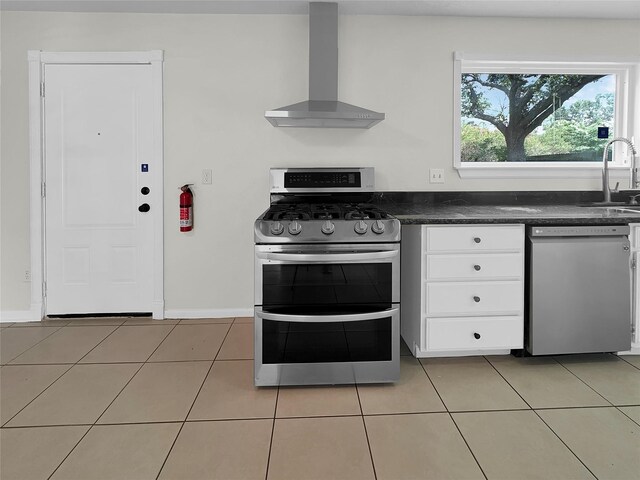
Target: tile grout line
<point>467,444</point>
<point>589,386</point>
<point>273,429</point>
<point>507,382</point>
<point>366,433</point>
<point>563,442</point>
<point>627,361</point>
<point>34,398</point>
<point>204,380</point>
<point>92,425</point>
<point>70,452</point>
<point>65,372</point>
<point>448,412</point>
<point>32,346</point>
<point>541,419</point>
<point>538,415</point>
<point>107,407</point>
<point>637,422</point>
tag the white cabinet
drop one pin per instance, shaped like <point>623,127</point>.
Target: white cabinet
<point>635,282</point>
<point>462,289</point>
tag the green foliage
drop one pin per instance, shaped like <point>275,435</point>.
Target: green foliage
<point>480,144</point>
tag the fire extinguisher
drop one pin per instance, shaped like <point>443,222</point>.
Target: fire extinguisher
<point>186,209</point>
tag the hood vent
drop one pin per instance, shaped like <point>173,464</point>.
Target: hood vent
<point>323,110</point>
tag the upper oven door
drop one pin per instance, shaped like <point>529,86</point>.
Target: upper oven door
<point>327,279</point>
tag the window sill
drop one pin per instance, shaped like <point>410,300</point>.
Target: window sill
<point>540,170</point>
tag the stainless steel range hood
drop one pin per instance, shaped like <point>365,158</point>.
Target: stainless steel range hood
<point>323,110</point>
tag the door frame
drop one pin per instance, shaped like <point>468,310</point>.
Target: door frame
<point>37,61</point>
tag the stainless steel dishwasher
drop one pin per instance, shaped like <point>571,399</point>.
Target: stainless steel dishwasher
<point>579,289</point>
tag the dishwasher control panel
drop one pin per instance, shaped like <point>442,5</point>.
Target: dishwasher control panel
<point>579,231</point>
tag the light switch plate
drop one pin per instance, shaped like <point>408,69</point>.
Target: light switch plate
<point>436,175</point>
<point>206,176</point>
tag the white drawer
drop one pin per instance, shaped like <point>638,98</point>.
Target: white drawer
<point>474,298</point>
<point>478,266</point>
<point>470,238</point>
<point>474,333</point>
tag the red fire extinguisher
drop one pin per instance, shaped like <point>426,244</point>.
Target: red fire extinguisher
<point>186,209</point>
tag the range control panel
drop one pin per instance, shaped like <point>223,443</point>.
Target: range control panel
<point>321,179</point>
<point>579,231</point>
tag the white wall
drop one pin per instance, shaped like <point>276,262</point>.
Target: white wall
<point>223,71</point>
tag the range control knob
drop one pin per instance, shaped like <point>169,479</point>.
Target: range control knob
<point>276,228</point>
<point>295,228</point>
<point>377,227</point>
<point>360,228</point>
<point>328,227</point>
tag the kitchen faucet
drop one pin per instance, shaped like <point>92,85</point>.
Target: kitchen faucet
<point>606,189</point>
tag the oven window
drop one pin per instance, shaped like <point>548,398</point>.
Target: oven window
<point>326,285</point>
<point>320,342</point>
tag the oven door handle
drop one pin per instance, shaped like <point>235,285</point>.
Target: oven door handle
<point>356,317</point>
<point>327,257</point>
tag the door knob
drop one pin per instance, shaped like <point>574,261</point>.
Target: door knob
<point>144,208</point>
<point>476,335</point>
<point>145,190</point>
<point>476,299</point>
<point>477,268</point>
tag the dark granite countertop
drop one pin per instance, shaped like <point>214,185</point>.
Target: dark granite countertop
<point>533,208</point>
<point>527,214</point>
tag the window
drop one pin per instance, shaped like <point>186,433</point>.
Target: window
<point>534,118</point>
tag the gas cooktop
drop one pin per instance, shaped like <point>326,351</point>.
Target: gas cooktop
<point>300,215</point>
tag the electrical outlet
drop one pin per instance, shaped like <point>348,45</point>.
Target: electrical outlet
<point>27,275</point>
<point>206,176</point>
<point>436,175</point>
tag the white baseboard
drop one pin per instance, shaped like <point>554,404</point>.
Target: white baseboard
<point>208,313</point>
<point>635,350</point>
<point>20,316</point>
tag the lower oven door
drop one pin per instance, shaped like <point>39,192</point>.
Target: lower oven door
<point>327,349</point>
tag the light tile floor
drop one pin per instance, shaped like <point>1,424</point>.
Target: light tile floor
<point>135,399</point>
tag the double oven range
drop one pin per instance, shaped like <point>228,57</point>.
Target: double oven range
<point>327,281</point>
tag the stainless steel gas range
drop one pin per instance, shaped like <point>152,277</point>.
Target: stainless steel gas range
<point>327,281</point>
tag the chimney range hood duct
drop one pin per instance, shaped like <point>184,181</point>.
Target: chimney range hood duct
<point>323,110</point>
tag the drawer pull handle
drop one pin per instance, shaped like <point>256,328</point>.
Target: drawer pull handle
<point>476,335</point>
<point>476,299</point>
<point>477,239</point>
<point>477,268</point>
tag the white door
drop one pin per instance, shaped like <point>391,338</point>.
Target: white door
<point>98,140</point>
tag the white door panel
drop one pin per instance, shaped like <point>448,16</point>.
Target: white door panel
<point>98,133</point>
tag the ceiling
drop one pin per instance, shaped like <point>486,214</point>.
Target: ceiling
<point>598,9</point>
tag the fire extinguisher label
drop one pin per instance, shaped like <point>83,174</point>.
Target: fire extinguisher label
<point>186,216</point>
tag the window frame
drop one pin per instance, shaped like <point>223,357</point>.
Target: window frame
<point>625,121</point>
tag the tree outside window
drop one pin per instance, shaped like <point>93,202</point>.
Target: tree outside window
<point>509,117</point>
